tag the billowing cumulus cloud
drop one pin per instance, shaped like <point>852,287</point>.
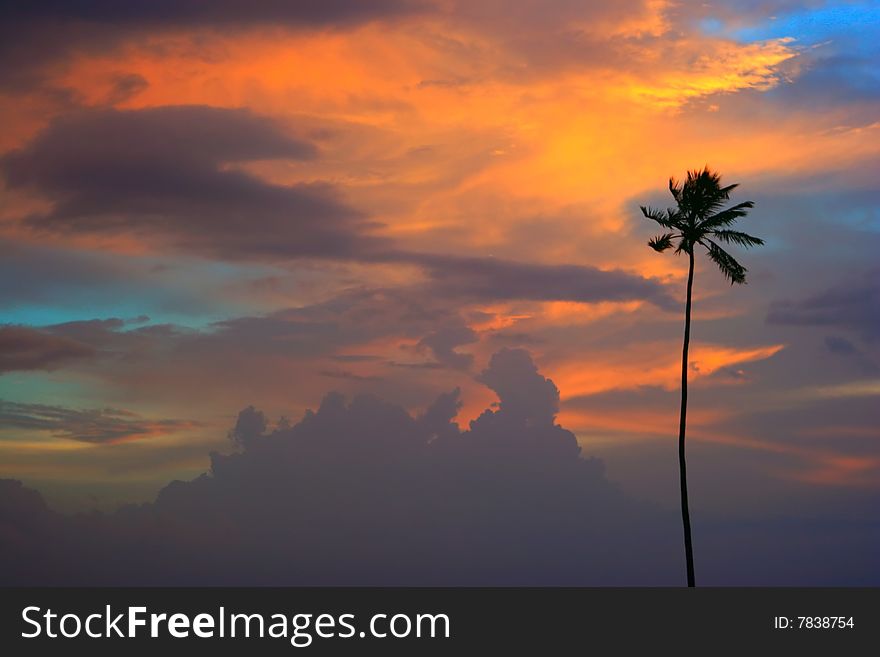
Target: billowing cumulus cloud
<point>442,345</point>
<point>522,391</point>
<point>363,492</point>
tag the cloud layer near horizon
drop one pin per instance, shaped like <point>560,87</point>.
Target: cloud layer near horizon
<point>363,493</point>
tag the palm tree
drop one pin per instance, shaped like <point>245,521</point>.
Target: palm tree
<point>698,219</point>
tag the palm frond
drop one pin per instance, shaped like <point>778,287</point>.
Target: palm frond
<point>728,216</point>
<point>726,190</point>
<point>711,198</point>
<point>699,217</point>
<point>732,270</point>
<point>661,242</point>
<point>702,194</point>
<point>675,189</point>
<point>736,237</point>
<point>666,218</point>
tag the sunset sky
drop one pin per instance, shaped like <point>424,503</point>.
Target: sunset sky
<point>258,204</point>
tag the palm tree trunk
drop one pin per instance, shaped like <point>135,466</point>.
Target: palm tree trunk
<point>682,464</point>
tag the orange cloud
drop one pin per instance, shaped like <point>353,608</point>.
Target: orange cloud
<point>648,364</point>
<point>723,67</point>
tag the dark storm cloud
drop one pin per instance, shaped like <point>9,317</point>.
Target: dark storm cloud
<point>178,13</point>
<point>107,425</point>
<point>852,304</point>
<point>362,492</point>
<point>442,345</point>
<point>35,35</point>
<point>523,393</point>
<point>353,317</point>
<point>492,279</point>
<point>23,348</point>
<point>839,345</point>
<point>162,174</point>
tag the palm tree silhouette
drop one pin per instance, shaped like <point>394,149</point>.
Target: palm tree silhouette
<point>698,218</point>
